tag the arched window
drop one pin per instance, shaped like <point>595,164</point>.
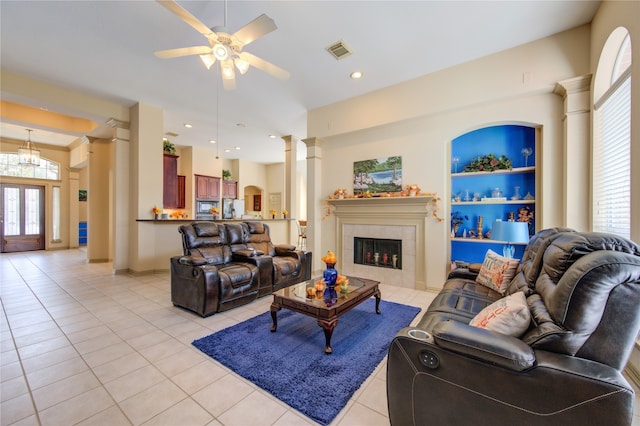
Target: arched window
<point>612,137</point>
<point>9,166</point>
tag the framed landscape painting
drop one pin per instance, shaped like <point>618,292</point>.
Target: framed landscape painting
<point>378,175</point>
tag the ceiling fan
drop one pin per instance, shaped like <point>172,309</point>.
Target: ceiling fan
<point>224,47</point>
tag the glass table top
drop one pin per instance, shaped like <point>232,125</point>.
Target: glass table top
<point>316,293</point>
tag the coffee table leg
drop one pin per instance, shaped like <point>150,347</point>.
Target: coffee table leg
<point>274,310</point>
<point>378,296</point>
<point>327,327</point>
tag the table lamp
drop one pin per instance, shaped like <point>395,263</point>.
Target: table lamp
<point>511,232</point>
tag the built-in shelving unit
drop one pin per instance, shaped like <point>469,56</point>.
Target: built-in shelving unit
<point>472,193</point>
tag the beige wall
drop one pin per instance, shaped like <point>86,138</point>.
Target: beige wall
<point>418,119</point>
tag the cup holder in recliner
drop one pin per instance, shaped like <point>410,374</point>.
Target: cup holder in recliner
<point>419,334</point>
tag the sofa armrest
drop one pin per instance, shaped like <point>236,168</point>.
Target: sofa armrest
<point>500,349</point>
<point>463,273</point>
<point>247,253</point>
<point>192,260</point>
<point>283,249</point>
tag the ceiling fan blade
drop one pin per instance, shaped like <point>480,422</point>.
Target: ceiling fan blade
<point>187,17</point>
<point>183,51</point>
<point>265,66</point>
<point>255,29</point>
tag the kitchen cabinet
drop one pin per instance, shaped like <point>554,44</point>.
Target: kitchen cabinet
<point>170,182</point>
<point>490,195</point>
<point>181,202</point>
<point>207,188</point>
<point>229,189</point>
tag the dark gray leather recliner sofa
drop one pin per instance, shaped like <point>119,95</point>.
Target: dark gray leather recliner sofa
<point>583,293</point>
<point>221,269</point>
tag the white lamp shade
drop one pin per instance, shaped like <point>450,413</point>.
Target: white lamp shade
<point>511,232</point>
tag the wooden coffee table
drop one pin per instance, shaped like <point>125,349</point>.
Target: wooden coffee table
<point>296,298</point>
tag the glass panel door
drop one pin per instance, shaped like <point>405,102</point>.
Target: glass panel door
<point>22,218</point>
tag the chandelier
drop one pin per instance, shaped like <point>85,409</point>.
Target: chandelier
<point>28,154</point>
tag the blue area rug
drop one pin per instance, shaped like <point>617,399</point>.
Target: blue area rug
<point>291,363</point>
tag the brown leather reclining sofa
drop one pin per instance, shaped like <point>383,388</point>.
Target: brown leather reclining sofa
<point>583,294</point>
<point>228,265</point>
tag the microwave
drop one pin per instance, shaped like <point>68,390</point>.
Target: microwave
<point>204,207</point>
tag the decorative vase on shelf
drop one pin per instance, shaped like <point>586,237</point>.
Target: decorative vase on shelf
<point>157,216</point>
<point>516,193</point>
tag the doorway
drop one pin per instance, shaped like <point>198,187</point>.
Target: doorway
<point>22,217</point>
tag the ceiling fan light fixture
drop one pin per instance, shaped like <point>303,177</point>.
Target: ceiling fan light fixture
<point>242,65</point>
<point>208,60</point>
<point>220,52</point>
<point>28,154</point>
<point>227,69</point>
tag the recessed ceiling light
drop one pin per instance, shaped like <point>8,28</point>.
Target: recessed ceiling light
<point>272,136</point>
<point>227,150</point>
<point>187,125</point>
<point>237,148</point>
<point>212,141</point>
<point>356,75</point>
<point>241,125</point>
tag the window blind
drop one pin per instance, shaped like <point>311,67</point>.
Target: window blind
<point>612,161</point>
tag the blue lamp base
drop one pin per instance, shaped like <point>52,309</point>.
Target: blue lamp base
<point>508,251</point>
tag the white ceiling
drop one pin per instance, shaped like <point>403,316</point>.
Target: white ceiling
<point>105,49</point>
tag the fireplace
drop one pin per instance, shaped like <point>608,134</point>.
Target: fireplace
<point>377,252</point>
<point>384,218</point>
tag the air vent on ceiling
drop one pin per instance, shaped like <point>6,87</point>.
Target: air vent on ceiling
<point>339,50</point>
<point>172,134</point>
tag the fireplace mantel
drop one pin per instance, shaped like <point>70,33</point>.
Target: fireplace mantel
<point>411,212</point>
<point>401,204</point>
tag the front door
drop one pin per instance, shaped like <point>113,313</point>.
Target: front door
<point>22,220</point>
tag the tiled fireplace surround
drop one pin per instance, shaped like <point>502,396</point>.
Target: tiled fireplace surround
<point>401,218</point>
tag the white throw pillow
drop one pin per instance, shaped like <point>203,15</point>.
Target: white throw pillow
<point>509,315</point>
<point>497,271</point>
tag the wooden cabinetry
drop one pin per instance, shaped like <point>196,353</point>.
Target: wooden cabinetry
<point>170,182</point>
<point>181,202</point>
<point>207,188</point>
<point>491,194</point>
<point>229,189</point>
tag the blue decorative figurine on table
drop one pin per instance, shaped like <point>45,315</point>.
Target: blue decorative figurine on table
<point>330,276</point>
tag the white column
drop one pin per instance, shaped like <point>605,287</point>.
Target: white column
<point>291,183</point>
<point>314,188</point>
<point>577,150</point>
<point>146,131</point>
<point>120,200</point>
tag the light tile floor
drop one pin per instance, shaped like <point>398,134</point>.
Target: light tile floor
<point>82,346</point>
